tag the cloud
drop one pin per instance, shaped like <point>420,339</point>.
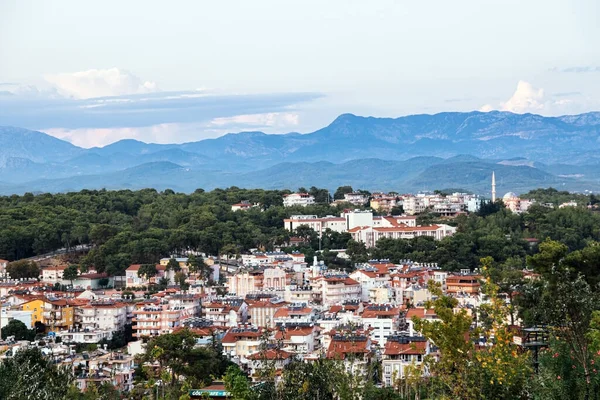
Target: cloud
<point>529,99</point>
<point>99,83</point>
<point>280,119</point>
<point>282,122</point>
<point>161,133</point>
<point>577,69</point>
<point>143,110</point>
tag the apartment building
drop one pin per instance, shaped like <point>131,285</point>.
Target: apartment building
<point>298,199</point>
<point>370,235</point>
<point>399,353</point>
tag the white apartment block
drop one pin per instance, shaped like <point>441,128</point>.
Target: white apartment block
<point>357,199</point>
<point>106,316</point>
<point>317,224</point>
<point>298,199</point>
<point>369,235</point>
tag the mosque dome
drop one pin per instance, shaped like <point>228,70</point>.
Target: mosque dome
<point>510,196</point>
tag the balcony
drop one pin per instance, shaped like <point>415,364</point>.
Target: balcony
<point>53,315</point>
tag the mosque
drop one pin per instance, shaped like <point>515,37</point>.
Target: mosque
<point>511,201</point>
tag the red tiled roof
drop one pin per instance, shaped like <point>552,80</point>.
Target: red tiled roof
<point>339,348</point>
<point>271,354</point>
<point>396,348</point>
<point>295,331</point>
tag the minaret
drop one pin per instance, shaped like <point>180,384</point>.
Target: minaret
<point>493,187</point>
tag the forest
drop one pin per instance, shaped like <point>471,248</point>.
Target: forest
<point>126,227</point>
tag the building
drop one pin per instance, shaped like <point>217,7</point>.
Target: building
<point>239,342</point>
<point>370,235</point>
<point>53,275</point>
<point>354,349</point>
<point>381,321</point>
<point>383,202</point>
<point>56,314</point>
<point>156,318</point>
<point>133,279</point>
<point>335,288</point>
<point>317,224</point>
<point>356,198</point>
<point>463,284</point>
<point>244,205</point>
<point>108,316</point>
<point>399,353</point>
<point>299,337</point>
<point>298,199</point>
<point>515,204</point>
<point>92,281</point>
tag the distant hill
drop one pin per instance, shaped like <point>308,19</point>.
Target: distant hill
<point>416,174</point>
<point>407,153</point>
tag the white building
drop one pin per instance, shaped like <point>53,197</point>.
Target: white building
<point>298,199</point>
<point>357,199</point>
<point>370,235</point>
<point>104,315</point>
<point>318,224</point>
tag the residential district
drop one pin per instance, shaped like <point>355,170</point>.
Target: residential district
<point>313,311</point>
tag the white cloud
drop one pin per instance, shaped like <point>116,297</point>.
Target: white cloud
<point>525,99</point>
<point>161,133</point>
<point>272,120</point>
<point>99,83</point>
<point>278,122</point>
<point>529,99</point>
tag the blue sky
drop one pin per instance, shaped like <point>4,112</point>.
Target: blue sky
<point>93,72</point>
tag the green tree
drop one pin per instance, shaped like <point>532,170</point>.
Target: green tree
<point>341,191</point>
<point>147,270</point>
<point>17,329</point>
<point>29,375</point>
<point>237,383</point>
<point>173,265</point>
<point>70,273</point>
<point>23,269</point>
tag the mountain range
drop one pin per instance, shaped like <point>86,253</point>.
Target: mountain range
<point>412,153</point>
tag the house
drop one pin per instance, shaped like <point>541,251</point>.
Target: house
<point>399,353</point>
<point>134,280</point>
<point>354,349</point>
<point>299,338</point>
<point>272,357</point>
<point>295,313</point>
<point>53,275</point>
<point>239,342</point>
<point>298,199</point>
<point>335,288</point>
<point>226,314</point>
<point>92,281</point>
<point>104,315</point>
<point>464,284</point>
<point>419,312</point>
<point>153,318</point>
<point>243,206</point>
<point>261,313</point>
<point>381,321</point>
<point>356,198</point>
<point>56,314</point>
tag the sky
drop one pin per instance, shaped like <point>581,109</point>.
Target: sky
<point>94,72</point>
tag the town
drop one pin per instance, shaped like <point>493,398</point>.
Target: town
<point>276,307</point>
